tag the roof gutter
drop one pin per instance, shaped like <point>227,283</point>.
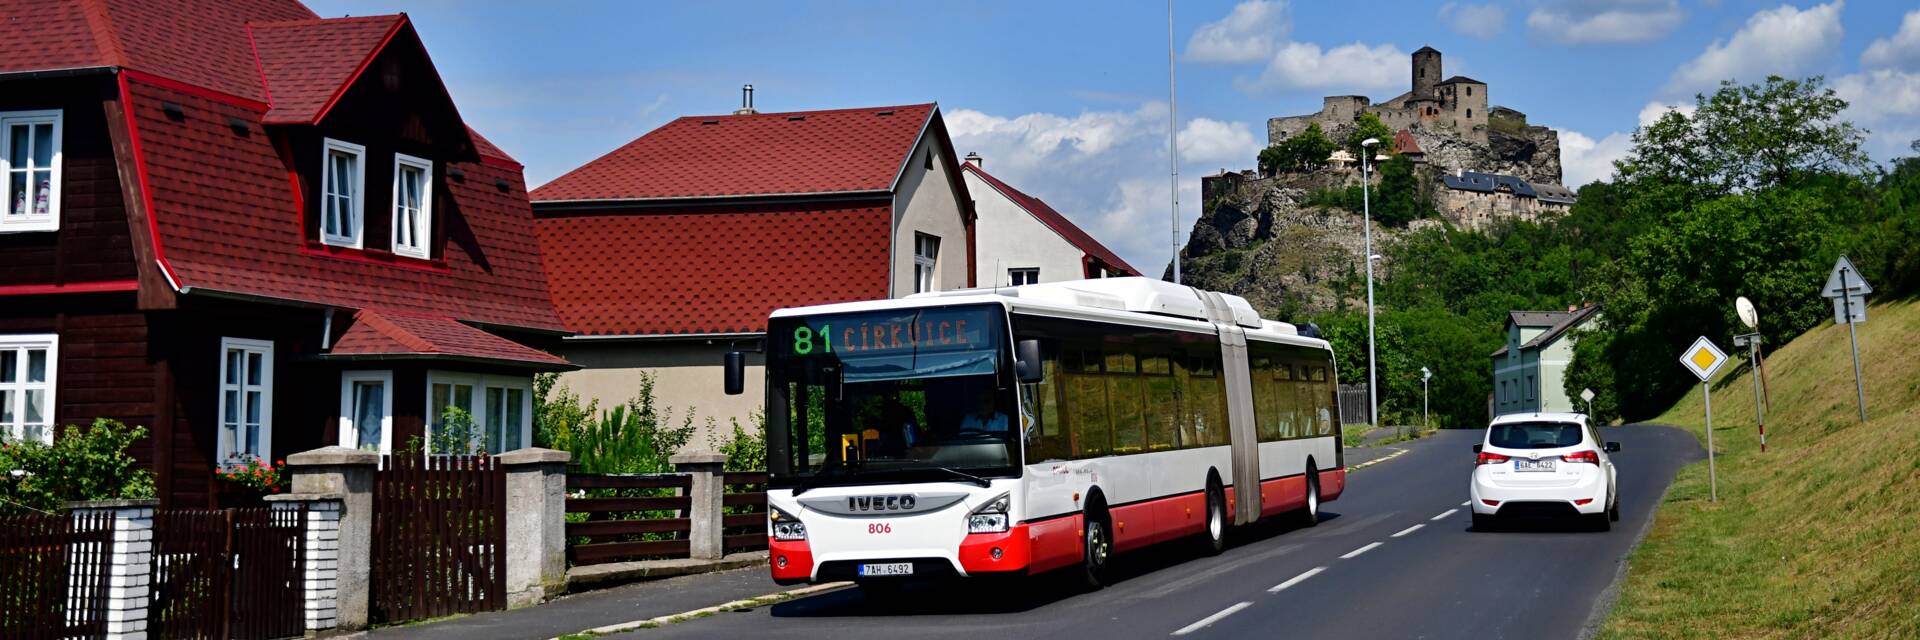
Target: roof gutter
<point>68,72</point>
<point>609,203</point>
<point>665,337</point>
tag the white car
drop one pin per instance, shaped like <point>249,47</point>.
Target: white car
<point>1544,464</point>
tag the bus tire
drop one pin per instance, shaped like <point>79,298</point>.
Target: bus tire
<point>1309,515</point>
<point>1213,535</point>
<point>1096,544</point>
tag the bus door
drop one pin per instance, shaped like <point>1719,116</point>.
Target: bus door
<point>1240,420</point>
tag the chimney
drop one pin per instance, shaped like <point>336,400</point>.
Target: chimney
<point>973,158</point>
<point>746,101</point>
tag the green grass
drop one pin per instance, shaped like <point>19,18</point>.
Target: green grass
<point>1817,537</point>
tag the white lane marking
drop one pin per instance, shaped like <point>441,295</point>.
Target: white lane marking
<point>1202,624</point>
<point>1408,530</point>
<point>1296,580</point>
<point>1396,453</point>
<point>1466,503</point>
<point>1356,552</point>
<point>1443,516</point>
<point>737,604</point>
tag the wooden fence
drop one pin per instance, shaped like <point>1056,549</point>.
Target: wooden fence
<point>439,537</point>
<point>622,517</point>
<point>228,573</point>
<point>54,570</point>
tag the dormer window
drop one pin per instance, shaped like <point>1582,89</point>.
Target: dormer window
<point>412,206</point>
<point>29,171</point>
<point>343,174</point>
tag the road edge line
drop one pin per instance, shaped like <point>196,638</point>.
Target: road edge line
<point>623,627</point>
<point>1396,453</point>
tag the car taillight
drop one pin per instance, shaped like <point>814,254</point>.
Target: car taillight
<point>1588,457</point>
<point>1490,458</point>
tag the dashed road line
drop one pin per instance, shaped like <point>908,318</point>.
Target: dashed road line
<point>1202,624</point>
<point>1466,503</point>
<point>1356,552</point>
<point>1296,580</point>
<point>1408,530</point>
<point>1444,515</point>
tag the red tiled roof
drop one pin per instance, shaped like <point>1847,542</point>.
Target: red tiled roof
<point>199,42</point>
<point>390,333</point>
<point>307,63</point>
<point>801,152</point>
<point>1054,220</point>
<point>1403,142</point>
<point>714,269</point>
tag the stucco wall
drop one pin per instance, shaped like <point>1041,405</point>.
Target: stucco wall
<point>1007,237</point>
<point>925,203</point>
<point>688,377</point>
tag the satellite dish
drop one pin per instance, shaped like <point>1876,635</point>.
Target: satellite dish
<point>1748,315</point>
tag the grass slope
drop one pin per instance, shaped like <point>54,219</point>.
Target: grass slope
<point>1817,537</point>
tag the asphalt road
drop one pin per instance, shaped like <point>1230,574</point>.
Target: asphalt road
<point>1393,558</point>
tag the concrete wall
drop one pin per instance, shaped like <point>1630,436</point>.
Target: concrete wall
<point>1010,238</point>
<point>925,203</point>
<point>688,376</point>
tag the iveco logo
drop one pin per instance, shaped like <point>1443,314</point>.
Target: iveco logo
<point>868,504</point>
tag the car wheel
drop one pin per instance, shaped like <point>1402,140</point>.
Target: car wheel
<point>1097,545</point>
<point>1482,522</point>
<point>1613,512</point>
<point>1599,522</point>
<point>1214,537</point>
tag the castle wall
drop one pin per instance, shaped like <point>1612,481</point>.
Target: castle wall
<point>1478,211</point>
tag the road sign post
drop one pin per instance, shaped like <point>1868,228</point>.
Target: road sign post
<point>1849,294</point>
<point>1704,359</point>
<point>1752,342</point>
<point>1586,395</point>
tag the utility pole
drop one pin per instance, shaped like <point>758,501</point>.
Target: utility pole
<point>1173,144</point>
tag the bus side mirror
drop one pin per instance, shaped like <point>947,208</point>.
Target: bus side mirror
<point>736,373</point>
<point>1026,361</point>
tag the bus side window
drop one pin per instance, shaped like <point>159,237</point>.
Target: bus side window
<point>1086,408</point>
<point>1049,435</point>
<point>1163,405</point>
<point>1126,404</point>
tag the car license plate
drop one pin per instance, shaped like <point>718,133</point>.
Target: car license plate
<point>1533,465</point>
<point>888,569</point>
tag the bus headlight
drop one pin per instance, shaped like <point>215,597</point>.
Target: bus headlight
<point>990,517</point>
<point>784,526</point>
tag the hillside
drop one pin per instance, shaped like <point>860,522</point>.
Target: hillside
<point>1817,537</point>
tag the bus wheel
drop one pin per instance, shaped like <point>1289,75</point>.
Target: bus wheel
<point>1214,536</point>
<point>1098,546</point>
<point>1310,514</point>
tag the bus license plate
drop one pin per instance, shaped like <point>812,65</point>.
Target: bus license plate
<point>888,569</point>
<point>1533,465</point>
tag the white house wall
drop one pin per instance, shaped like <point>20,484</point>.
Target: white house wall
<point>925,203</point>
<point>687,375</point>
<point>1007,237</point>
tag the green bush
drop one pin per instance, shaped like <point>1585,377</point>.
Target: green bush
<point>637,437</point>
<point>746,450</point>
<point>82,464</point>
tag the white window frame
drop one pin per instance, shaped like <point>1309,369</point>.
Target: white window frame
<point>423,227</point>
<point>480,384</point>
<point>926,273</point>
<point>16,429</point>
<point>358,200</point>
<point>349,429</point>
<point>49,221</point>
<point>222,451</point>
<point>1032,276</point>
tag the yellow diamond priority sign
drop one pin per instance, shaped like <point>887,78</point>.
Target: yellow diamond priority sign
<point>1703,359</point>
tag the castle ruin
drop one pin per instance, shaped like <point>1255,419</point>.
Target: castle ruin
<point>1457,104</point>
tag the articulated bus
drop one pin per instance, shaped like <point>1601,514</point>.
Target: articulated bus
<point>1019,430</point>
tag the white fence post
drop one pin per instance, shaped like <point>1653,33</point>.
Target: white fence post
<point>129,585</point>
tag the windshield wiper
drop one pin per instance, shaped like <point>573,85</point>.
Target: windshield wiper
<point>967,477</point>
<point>819,480</point>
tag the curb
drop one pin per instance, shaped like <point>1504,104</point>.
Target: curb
<point>770,598</point>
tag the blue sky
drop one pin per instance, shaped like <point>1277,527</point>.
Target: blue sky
<point>1068,101</point>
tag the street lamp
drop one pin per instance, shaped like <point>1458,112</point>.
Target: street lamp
<point>1366,212</point>
<point>1426,418</point>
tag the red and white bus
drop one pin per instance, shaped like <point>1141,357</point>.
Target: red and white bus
<point>1019,430</point>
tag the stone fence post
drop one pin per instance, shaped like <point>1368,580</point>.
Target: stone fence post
<point>536,524</point>
<point>343,475</point>
<point>706,540</point>
<point>129,581</point>
<point>322,561</point>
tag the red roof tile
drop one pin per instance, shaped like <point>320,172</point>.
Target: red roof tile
<point>801,152</point>
<point>227,221</point>
<point>711,270</point>
<point>308,63</point>
<point>391,333</point>
<point>1054,220</point>
<point>1403,142</point>
<point>199,42</point>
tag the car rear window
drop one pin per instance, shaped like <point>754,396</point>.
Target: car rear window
<point>1534,435</point>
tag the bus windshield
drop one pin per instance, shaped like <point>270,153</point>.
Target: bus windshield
<point>907,395</point>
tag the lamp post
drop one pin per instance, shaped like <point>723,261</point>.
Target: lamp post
<point>1426,418</point>
<point>1366,213</point>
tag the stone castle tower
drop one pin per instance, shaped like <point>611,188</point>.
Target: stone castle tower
<point>1457,105</point>
<point>1426,71</point>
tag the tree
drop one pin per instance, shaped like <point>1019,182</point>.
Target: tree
<point>1369,126</point>
<point>1748,137</point>
<point>1397,200</point>
<point>1305,151</point>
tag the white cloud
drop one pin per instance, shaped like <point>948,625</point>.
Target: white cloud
<point>1782,41</point>
<point>1578,22</point>
<point>1652,112</point>
<point>1247,34</point>
<point>1901,51</point>
<point>1481,21</point>
<point>1205,140</point>
<point>1032,137</point>
<point>1300,65</point>
<point>1881,96</point>
<point>1584,160</point>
